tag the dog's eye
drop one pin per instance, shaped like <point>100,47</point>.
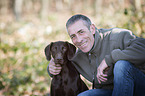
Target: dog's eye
<point>54,48</point>
<point>63,48</point>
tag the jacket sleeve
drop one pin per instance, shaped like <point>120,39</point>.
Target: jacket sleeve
<point>129,48</point>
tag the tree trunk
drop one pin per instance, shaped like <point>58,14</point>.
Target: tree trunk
<point>45,9</point>
<point>18,8</point>
<point>97,5</point>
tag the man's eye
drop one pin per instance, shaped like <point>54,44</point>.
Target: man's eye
<point>81,32</point>
<point>72,37</point>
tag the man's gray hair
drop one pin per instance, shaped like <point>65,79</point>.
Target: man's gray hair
<point>77,17</point>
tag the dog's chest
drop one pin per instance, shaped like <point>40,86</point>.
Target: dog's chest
<point>64,86</point>
<point>65,80</point>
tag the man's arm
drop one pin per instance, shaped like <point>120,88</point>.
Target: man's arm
<point>135,53</point>
<point>128,48</point>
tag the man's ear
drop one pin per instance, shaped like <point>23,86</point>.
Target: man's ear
<point>71,50</point>
<point>92,28</point>
<point>48,51</point>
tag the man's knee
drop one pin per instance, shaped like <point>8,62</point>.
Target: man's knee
<point>121,66</point>
<point>83,94</point>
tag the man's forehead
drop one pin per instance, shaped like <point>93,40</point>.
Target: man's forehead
<point>77,26</point>
<point>78,22</point>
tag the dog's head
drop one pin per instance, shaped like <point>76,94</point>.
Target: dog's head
<point>60,51</point>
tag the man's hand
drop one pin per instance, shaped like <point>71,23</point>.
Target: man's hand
<point>101,75</point>
<point>53,68</point>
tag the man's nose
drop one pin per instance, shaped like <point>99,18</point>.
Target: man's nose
<point>79,39</point>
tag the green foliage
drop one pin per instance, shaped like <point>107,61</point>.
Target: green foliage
<point>23,70</point>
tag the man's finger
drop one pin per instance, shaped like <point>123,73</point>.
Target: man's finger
<point>103,75</point>
<point>103,79</point>
<point>55,72</point>
<point>100,79</point>
<point>57,65</point>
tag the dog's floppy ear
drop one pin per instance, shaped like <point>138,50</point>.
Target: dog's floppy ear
<point>48,52</point>
<point>71,50</point>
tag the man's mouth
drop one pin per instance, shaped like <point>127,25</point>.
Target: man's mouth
<point>82,44</point>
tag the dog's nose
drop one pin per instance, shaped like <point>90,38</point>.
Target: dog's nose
<point>59,58</point>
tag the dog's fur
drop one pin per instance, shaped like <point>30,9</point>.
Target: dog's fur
<point>68,82</point>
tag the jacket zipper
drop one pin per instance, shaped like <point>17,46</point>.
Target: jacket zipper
<point>93,73</point>
<point>90,58</point>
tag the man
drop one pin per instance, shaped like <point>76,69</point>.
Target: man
<point>112,59</point>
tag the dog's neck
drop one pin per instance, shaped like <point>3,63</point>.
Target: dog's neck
<point>65,65</point>
<point>66,68</point>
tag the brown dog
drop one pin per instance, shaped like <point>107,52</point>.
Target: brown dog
<point>68,82</point>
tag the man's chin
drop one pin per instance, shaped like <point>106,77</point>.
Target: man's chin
<point>85,50</point>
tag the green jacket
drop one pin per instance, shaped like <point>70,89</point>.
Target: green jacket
<point>113,45</point>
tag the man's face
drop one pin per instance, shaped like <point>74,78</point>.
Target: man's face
<point>81,36</point>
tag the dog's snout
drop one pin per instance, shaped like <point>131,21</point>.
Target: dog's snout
<point>59,59</point>
<point>59,56</point>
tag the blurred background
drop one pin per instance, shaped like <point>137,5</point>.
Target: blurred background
<point>28,26</point>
